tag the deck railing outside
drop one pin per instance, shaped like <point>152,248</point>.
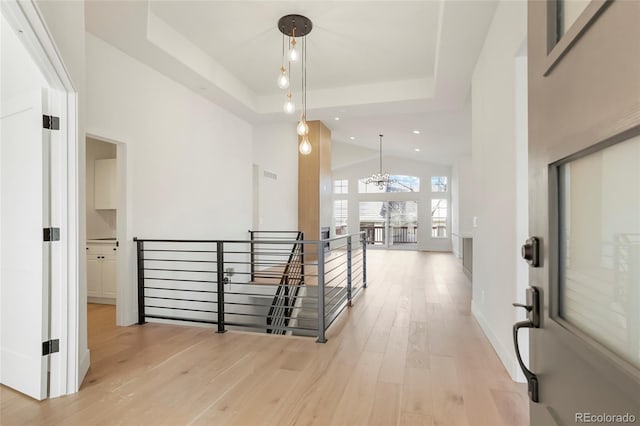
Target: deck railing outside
<point>277,285</point>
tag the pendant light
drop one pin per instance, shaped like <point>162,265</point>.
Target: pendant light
<point>381,178</point>
<point>296,27</point>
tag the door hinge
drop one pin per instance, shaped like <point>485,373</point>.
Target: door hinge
<point>51,234</point>
<point>50,347</point>
<point>50,122</point>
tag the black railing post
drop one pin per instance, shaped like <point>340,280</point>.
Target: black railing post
<point>220,273</point>
<point>321,320</point>
<point>253,257</point>
<point>364,265</point>
<point>349,270</point>
<point>140,257</point>
<point>301,236</point>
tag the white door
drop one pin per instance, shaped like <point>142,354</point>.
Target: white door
<point>584,197</point>
<point>25,257</point>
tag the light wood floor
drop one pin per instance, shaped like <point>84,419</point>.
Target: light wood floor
<point>407,353</point>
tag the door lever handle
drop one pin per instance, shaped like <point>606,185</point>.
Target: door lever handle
<point>532,379</point>
<point>520,305</point>
<point>533,321</point>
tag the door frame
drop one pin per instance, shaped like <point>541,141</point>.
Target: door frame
<point>126,297</point>
<point>65,315</point>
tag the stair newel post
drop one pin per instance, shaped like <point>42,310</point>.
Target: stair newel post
<point>220,276</point>
<point>349,270</point>
<point>321,322</point>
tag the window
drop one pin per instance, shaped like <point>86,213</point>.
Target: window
<point>402,183</point>
<point>438,184</point>
<point>341,186</point>
<point>438,218</point>
<point>340,214</point>
<point>389,223</point>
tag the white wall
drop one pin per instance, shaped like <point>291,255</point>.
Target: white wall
<point>188,161</point>
<point>344,154</point>
<point>100,223</point>
<point>275,151</point>
<point>497,180</point>
<point>399,166</point>
<point>462,189</point>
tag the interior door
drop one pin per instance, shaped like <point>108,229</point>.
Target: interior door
<point>25,257</point>
<point>584,180</point>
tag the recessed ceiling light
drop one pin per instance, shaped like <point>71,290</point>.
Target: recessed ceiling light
<point>353,138</point>
<point>416,132</point>
<point>417,150</point>
<point>337,118</point>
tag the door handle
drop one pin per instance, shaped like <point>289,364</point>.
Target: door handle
<point>533,321</point>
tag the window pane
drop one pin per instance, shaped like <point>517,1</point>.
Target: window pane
<point>403,222</point>
<point>401,183</point>
<point>438,184</point>
<point>439,218</point>
<point>373,217</point>
<point>341,186</point>
<point>599,233</point>
<point>340,213</point>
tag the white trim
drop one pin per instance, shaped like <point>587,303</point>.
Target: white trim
<point>39,43</point>
<point>505,354</point>
<point>126,294</point>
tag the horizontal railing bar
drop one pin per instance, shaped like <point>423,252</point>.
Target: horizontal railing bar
<point>180,270</point>
<point>268,327</point>
<point>178,260</point>
<point>326,272</point>
<point>179,319</point>
<point>179,289</point>
<point>328,324</point>
<point>181,280</point>
<point>333,259</point>
<point>341,277</point>
<point>180,300</point>
<point>328,301</point>
<point>179,251</point>
<point>180,309</point>
<point>335,305</point>
<point>293,241</point>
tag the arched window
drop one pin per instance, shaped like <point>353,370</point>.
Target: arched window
<point>401,183</point>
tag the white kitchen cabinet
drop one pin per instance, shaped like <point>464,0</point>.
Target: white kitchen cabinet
<point>104,185</point>
<point>101,272</point>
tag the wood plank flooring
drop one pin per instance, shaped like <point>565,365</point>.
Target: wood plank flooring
<point>407,353</point>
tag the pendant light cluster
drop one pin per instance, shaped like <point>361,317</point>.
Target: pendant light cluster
<point>380,178</point>
<point>295,26</point>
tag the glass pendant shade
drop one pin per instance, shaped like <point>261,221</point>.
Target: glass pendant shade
<point>289,106</point>
<point>303,127</point>
<point>283,80</point>
<point>305,146</point>
<point>293,52</point>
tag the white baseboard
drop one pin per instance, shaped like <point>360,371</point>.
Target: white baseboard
<point>506,354</point>
<point>85,361</point>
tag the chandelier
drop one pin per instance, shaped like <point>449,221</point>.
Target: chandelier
<point>295,26</point>
<point>381,178</point>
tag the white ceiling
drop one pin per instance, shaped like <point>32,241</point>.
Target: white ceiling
<point>381,66</point>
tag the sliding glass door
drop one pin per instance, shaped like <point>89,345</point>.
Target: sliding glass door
<point>390,224</point>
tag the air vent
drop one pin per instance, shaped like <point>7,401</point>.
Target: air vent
<point>270,175</point>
